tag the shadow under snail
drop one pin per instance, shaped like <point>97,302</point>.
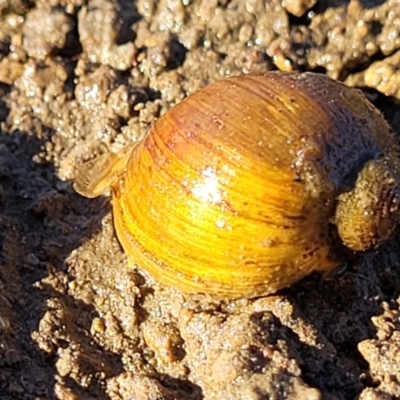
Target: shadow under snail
<point>252,183</point>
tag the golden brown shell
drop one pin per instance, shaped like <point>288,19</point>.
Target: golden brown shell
<point>236,189</point>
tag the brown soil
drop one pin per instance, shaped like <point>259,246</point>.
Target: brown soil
<point>81,77</point>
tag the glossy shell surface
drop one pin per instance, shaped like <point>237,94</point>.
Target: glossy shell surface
<point>232,190</point>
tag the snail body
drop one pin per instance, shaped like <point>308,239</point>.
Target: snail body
<point>252,183</point>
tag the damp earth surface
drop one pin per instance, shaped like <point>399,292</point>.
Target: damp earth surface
<point>82,77</point>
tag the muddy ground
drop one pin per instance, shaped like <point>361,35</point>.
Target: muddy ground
<point>81,77</point>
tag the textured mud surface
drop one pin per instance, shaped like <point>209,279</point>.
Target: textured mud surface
<point>78,78</point>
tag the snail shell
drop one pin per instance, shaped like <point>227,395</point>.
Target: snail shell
<point>252,183</point>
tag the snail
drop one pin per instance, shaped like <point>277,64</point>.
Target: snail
<point>252,183</point>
